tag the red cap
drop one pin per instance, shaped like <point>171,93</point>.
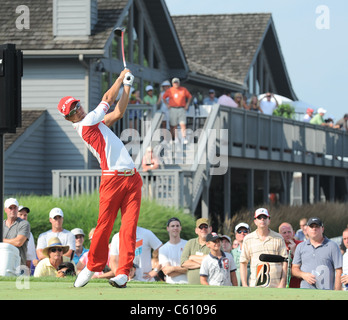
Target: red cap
<point>310,110</point>
<point>64,106</point>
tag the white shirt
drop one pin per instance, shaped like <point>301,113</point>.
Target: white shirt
<point>217,270</point>
<point>267,107</point>
<point>146,240</point>
<point>66,237</point>
<point>102,142</point>
<point>170,254</point>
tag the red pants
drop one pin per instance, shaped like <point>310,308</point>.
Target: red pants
<point>116,192</point>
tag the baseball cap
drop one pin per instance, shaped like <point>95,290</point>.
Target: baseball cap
<point>212,237</point>
<point>77,231</point>
<point>148,88</point>
<point>261,211</point>
<point>165,83</point>
<point>241,225</point>
<point>202,221</point>
<point>20,208</point>
<point>64,106</point>
<point>226,237</point>
<point>321,110</point>
<point>11,201</point>
<point>211,91</point>
<point>315,220</point>
<point>176,80</point>
<point>310,110</point>
<point>56,212</point>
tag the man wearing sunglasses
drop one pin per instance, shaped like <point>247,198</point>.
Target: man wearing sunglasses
<point>120,186</point>
<point>240,231</point>
<point>263,240</point>
<point>195,250</point>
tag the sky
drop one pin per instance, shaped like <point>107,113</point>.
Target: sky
<point>313,40</point>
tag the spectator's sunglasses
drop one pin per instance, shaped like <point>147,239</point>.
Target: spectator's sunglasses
<point>56,249</point>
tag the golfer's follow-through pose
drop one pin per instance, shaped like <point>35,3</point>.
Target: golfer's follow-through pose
<point>120,186</point>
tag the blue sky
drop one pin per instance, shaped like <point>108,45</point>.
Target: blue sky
<point>313,42</point>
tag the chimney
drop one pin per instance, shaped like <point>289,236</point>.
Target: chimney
<point>74,18</point>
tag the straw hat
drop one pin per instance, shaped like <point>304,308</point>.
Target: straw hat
<point>54,243</point>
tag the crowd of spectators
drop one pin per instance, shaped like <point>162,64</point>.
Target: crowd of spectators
<point>208,259</point>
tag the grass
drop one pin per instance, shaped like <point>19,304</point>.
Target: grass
<point>62,289</point>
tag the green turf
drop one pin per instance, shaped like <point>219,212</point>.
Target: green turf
<point>101,290</point>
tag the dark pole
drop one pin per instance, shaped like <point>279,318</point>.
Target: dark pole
<point>1,184</point>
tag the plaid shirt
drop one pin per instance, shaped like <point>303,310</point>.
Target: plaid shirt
<point>262,273</point>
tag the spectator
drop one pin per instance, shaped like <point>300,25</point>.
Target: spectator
<point>150,161</point>
<point>170,254</point>
<point>56,218</point>
<point>267,105</point>
<point>150,99</point>
<point>254,105</point>
<point>238,99</point>
<point>226,100</point>
<point>344,278</point>
<point>218,267</point>
<point>179,102</point>
<point>344,244</point>
<point>31,252</point>
<point>226,243</point>
<point>241,230</point>
<point>309,115</point>
<point>79,248</point>
<point>287,232</point>
<point>195,250</point>
<point>15,230</point>
<point>146,240</point>
<point>211,99</point>
<point>318,260</point>
<point>53,257</point>
<point>319,120</point>
<point>263,240</point>
<point>163,104</point>
<point>301,234</point>
<point>235,244</point>
<point>343,123</point>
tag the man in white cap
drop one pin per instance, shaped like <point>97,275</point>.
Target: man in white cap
<point>263,240</point>
<point>319,118</point>
<point>67,238</point>
<point>240,231</point>
<point>15,230</point>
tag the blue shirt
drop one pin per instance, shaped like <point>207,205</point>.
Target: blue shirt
<point>77,258</point>
<point>322,261</point>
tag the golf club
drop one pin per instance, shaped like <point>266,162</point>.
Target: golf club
<point>119,32</point>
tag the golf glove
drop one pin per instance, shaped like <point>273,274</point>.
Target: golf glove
<point>128,79</point>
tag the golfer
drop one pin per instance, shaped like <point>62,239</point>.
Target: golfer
<point>120,186</point>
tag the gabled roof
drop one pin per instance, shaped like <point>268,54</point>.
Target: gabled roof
<point>223,43</point>
<point>40,34</point>
<point>226,45</point>
<point>28,118</point>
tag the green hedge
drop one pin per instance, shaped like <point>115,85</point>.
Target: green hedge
<point>82,212</point>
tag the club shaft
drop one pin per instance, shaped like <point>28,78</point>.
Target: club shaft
<point>123,57</point>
